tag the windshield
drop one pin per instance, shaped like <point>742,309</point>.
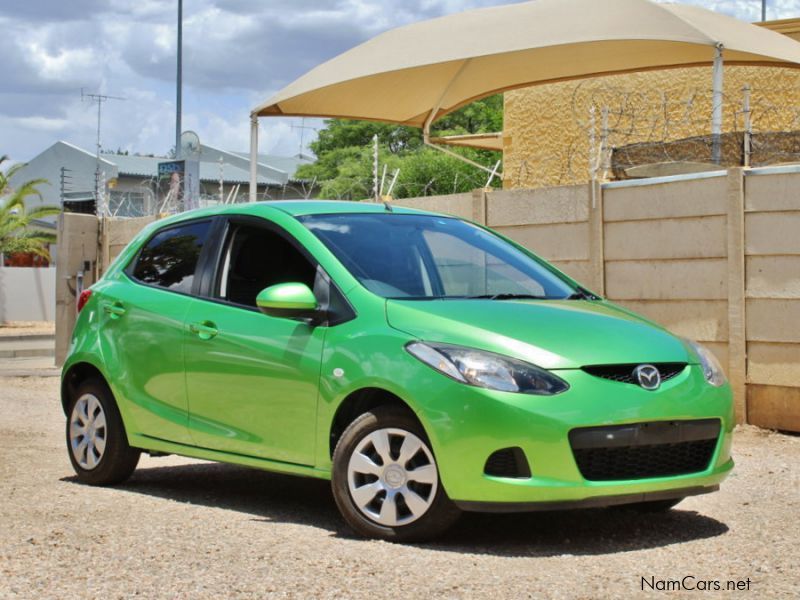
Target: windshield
<point>422,257</point>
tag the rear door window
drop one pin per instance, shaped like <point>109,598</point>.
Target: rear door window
<point>169,260</point>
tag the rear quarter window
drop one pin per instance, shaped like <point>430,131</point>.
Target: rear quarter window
<point>169,259</point>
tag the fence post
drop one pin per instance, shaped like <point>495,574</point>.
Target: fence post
<point>105,246</point>
<point>748,124</point>
<point>597,237</point>
<point>479,208</point>
<point>737,341</point>
<point>77,252</point>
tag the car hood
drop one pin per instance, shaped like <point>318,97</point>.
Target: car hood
<point>554,334</point>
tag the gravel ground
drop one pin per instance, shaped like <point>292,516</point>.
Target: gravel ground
<point>189,529</point>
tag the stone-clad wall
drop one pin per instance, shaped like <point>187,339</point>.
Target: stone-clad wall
<point>546,128</point>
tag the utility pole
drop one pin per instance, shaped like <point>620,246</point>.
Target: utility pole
<point>98,99</point>
<point>179,92</point>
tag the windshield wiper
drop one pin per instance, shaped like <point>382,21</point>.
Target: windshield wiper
<point>508,297</point>
<point>582,294</point>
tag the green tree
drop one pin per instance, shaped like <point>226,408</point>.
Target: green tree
<point>17,230</point>
<point>345,155</point>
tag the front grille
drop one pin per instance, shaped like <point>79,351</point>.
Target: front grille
<point>508,462</point>
<point>624,373</point>
<point>644,450</point>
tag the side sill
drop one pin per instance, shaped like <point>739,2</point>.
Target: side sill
<point>596,502</point>
<point>148,443</point>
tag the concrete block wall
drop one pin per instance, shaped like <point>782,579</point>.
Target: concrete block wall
<point>27,294</point>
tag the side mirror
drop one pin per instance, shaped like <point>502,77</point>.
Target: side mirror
<point>288,300</point>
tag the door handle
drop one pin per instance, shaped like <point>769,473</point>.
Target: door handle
<point>205,330</point>
<point>114,309</point>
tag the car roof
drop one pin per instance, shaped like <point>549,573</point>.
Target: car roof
<point>296,208</point>
<point>299,208</point>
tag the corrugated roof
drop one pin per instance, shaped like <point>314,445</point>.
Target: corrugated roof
<point>147,166</point>
<point>288,164</point>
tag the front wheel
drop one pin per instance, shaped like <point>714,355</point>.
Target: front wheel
<point>385,479</point>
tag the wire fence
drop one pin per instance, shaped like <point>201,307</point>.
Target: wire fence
<point>151,196</point>
<point>629,130</point>
<point>616,132</point>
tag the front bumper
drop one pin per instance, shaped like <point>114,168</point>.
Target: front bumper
<point>594,502</point>
<point>467,424</point>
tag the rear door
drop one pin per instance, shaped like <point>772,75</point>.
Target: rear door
<point>142,320</point>
<point>252,380</point>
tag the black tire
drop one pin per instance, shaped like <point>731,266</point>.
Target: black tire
<point>118,460</point>
<point>653,506</point>
<point>441,513</point>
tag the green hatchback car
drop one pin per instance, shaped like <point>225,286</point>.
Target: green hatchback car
<point>424,364</point>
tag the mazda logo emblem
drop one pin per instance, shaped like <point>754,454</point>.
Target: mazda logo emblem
<point>647,376</point>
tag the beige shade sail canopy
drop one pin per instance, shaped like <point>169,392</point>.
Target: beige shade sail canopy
<point>480,141</point>
<point>417,73</point>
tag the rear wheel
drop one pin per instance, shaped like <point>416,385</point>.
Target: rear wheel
<point>385,479</point>
<point>96,441</point>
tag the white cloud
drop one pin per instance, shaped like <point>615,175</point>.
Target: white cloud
<point>47,124</point>
<point>63,64</point>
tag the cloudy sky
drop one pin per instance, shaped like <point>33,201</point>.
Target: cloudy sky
<point>236,54</point>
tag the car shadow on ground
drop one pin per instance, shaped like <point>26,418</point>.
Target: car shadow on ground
<point>271,497</point>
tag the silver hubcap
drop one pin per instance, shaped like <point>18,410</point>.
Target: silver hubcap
<point>87,432</point>
<point>392,477</point>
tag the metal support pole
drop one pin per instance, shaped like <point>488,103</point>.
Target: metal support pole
<point>383,179</point>
<point>426,128</point>
<point>492,174</point>
<point>253,157</point>
<point>604,153</point>
<point>763,10</point>
<point>394,180</point>
<point>716,99</point>
<point>748,124</point>
<point>463,159</point>
<point>179,83</point>
<point>592,145</point>
<point>375,191</point>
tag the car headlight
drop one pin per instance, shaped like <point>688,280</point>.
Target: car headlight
<point>487,370</point>
<point>713,371</point>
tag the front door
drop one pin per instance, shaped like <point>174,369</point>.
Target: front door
<point>252,380</point>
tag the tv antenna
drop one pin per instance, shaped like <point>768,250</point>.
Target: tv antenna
<point>302,127</point>
<point>98,99</point>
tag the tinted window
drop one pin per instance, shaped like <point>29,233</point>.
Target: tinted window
<point>170,258</point>
<point>420,257</point>
<point>256,258</point>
